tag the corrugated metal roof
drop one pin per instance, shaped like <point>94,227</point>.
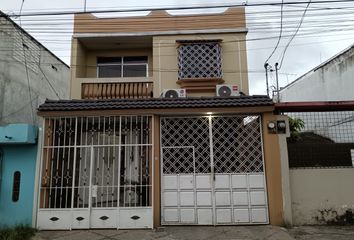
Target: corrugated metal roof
<point>155,103</point>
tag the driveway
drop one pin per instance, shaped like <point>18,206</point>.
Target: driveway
<point>208,233</point>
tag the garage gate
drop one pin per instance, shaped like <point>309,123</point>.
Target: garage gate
<point>212,171</point>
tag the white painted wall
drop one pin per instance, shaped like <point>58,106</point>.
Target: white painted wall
<point>15,103</point>
<point>332,81</point>
<point>320,195</point>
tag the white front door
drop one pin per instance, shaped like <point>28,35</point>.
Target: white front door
<point>212,170</point>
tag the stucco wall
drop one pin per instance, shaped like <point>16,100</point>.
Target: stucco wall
<point>331,82</point>
<point>234,60</point>
<point>20,158</point>
<point>321,196</point>
<point>15,100</point>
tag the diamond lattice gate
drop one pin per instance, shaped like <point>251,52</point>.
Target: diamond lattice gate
<point>96,172</point>
<point>212,171</point>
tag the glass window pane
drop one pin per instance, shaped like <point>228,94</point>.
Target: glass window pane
<point>140,59</point>
<point>108,60</point>
<point>109,71</point>
<point>134,70</point>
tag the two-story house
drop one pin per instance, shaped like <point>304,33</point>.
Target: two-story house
<point>150,137</point>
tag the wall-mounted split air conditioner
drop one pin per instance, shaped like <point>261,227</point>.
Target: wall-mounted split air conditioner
<point>174,93</point>
<point>227,90</point>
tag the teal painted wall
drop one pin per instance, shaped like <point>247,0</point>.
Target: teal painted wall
<point>17,158</point>
<point>18,133</point>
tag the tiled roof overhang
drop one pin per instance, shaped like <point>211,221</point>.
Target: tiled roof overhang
<point>155,103</point>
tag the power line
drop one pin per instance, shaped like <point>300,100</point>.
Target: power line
<point>45,77</point>
<point>140,6</point>
<point>26,67</point>
<point>293,36</point>
<point>280,33</point>
<point>176,8</point>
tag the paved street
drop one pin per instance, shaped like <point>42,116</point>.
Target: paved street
<point>199,233</point>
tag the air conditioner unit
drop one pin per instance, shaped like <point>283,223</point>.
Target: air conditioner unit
<point>174,93</point>
<point>227,90</point>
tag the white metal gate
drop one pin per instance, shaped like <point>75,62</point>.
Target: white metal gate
<point>212,170</point>
<point>96,172</point>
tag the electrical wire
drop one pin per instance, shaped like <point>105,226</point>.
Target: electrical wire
<point>26,67</point>
<point>45,77</point>
<point>293,36</point>
<point>175,8</point>
<point>280,33</point>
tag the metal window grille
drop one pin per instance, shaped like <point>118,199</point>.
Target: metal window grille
<point>199,60</point>
<point>236,144</point>
<point>327,140</point>
<point>102,161</point>
<point>187,132</point>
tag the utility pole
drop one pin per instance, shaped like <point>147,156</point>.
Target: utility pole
<point>84,5</point>
<point>266,72</point>
<point>277,80</point>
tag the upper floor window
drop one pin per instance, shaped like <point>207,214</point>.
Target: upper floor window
<point>199,59</point>
<point>108,67</point>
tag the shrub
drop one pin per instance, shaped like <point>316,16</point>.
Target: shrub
<point>295,125</point>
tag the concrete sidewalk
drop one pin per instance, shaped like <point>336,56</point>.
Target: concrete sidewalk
<point>322,232</point>
<point>208,233</point>
<point>173,233</point>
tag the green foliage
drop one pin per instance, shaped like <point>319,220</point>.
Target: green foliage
<point>20,232</point>
<point>295,125</point>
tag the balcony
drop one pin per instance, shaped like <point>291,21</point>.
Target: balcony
<point>108,88</point>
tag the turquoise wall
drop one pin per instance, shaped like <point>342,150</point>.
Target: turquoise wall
<point>19,157</point>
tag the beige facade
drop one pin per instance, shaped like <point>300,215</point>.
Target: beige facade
<point>158,42</point>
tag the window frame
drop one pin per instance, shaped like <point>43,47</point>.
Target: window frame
<point>122,64</point>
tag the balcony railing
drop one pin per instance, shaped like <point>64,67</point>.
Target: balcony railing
<point>111,90</point>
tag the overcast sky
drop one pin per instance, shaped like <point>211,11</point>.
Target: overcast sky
<point>323,33</point>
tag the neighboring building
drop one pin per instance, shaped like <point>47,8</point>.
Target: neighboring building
<point>329,81</point>
<point>322,158</point>
<point>123,155</point>
<point>332,80</point>
<point>29,74</point>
